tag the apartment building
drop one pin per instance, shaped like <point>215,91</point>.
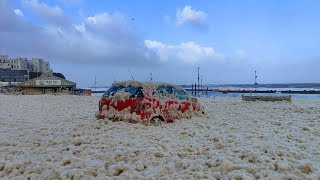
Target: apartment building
<point>34,65</point>
<point>4,62</point>
<point>4,58</point>
<point>19,69</point>
<point>20,64</point>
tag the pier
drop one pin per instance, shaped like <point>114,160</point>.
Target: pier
<point>226,91</point>
<point>266,98</point>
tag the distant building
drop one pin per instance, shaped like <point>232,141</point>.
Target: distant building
<point>34,65</point>
<point>20,64</point>
<point>39,65</point>
<point>5,65</point>
<point>9,75</point>
<point>13,70</point>
<point>4,62</point>
<point>3,58</point>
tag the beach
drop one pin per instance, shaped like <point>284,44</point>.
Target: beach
<point>58,137</point>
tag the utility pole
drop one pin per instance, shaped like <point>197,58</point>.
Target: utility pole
<point>151,76</point>
<point>255,77</point>
<point>201,83</point>
<point>198,79</point>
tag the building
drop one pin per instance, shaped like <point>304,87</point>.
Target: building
<point>5,65</point>
<point>4,62</point>
<point>47,83</point>
<point>20,64</point>
<point>37,65</point>
<point>9,75</point>
<point>3,58</point>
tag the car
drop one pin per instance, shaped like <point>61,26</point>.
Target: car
<point>148,103</point>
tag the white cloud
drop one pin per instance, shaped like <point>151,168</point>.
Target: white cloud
<point>18,12</point>
<point>187,52</point>
<point>52,14</point>
<point>241,54</point>
<point>103,18</point>
<point>80,28</point>
<point>100,38</point>
<point>188,15</point>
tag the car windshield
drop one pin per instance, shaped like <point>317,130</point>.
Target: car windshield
<point>166,91</point>
<point>133,91</point>
<point>112,91</point>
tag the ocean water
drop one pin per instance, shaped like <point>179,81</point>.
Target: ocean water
<point>259,87</point>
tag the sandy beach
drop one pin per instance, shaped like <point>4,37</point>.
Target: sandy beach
<point>58,137</point>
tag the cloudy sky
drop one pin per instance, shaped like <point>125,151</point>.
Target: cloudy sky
<point>228,40</point>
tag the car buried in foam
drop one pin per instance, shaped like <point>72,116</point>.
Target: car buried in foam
<point>150,103</point>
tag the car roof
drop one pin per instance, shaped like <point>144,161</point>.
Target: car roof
<point>145,85</point>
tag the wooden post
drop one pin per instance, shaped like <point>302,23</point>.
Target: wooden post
<point>207,90</point>
<point>195,90</point>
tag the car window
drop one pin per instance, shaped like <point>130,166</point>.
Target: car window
<point>165,91</point>
<point>179,94</point>
<point>112,91</point>
<point>133,91</point>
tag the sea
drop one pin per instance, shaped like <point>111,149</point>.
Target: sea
<point>250,87</point>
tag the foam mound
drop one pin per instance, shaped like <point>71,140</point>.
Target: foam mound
<point>56,137</point>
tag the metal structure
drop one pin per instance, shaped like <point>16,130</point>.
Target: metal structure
<point>198,79</point>
<point>255,78</point>
<point>201,84</point>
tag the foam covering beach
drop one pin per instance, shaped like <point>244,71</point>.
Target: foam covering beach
<point>58,137</point>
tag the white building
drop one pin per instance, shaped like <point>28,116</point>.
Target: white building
<point>33,65</point>
<point>4,58</point>
<point>20,64</point>
<point>38,65</point>
<point>6,65</point>
<point>4,62</point>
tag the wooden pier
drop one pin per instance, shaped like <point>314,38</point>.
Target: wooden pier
<point>267,98</point>
<point>243,91</point>
<point>226,91</point>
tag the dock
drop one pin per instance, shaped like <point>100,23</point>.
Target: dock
<point>266,98</point>
<point>226,91</point>
<point>244,91</point>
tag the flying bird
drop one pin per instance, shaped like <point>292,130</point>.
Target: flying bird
<point>132,19</point>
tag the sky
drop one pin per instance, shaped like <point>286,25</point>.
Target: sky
<point>115,40</point>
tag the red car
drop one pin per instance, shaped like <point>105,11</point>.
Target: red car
<point>147,103</point>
